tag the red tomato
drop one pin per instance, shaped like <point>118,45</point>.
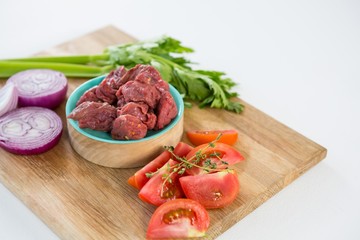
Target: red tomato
<point>201,137</point>
<point>182,149</point>
<point>214,190</point>
<point>218,154</point>
<point>160,189</point>
<point>179,218</point>
<point>139,179</point>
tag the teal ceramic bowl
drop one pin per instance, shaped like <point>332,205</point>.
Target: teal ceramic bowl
<point>98,147</point>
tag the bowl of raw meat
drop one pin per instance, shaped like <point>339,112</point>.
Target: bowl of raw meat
<point>125,118</point>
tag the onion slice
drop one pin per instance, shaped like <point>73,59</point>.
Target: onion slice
<point>8,98</point>
<point>30,130</point>
<point>40,87</point>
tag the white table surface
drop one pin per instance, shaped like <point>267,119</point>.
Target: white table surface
<point>298,61</point>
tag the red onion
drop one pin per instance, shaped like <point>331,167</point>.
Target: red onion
<point>40,87</point>
<point>30,130</point>
<point>8,98</point>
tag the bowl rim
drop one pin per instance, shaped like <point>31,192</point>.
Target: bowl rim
<point>96,81</point>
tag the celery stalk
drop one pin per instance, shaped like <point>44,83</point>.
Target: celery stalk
<point>8,68</point>
<point>77,59</point>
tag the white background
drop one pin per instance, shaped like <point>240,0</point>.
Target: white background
<point>298,61</point>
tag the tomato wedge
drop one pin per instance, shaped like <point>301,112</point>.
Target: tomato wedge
<point>182,149</point>
<point>221,154</point>
<point>214,190</point>
<point>179,218</point>
<point>201,137</point>
<point>163,186</point>
<point>139,179</point>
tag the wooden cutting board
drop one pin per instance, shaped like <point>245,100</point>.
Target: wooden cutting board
<point>80,200</point>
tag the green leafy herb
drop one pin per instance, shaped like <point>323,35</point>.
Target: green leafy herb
<point>166,54</point>
<point>149,175</point>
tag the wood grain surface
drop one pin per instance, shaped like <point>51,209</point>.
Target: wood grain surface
<point>78,199</point>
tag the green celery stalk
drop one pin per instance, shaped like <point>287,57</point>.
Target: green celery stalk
<point>8,68</point>
<point>77,59</point>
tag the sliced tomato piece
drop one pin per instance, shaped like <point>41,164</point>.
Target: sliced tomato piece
<point>163,186</point>
<point>200,137</point>
<point>139,179</point>
<point>221,155</point>
<point>179,218</point>
<point>132,181</point>
<point>214,190</point>
<point>182,149</point>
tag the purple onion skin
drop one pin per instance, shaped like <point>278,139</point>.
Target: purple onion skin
<point>22,144</point>
<point>39,150</point>
<point>50,97</point>
<point>51,101</point>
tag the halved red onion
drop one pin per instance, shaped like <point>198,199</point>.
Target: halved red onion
<point>8,98</point>
<point>40,87</point>
<point>30,130</point>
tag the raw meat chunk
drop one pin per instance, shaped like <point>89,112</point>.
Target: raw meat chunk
<point>139,92</point>
<point>107,88</point>
<point>146,74</point>
<point>166,110</point>
<point>89,95</point>
<point>94,115</point>
<point>141,111</point>
<point>126,127</point>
